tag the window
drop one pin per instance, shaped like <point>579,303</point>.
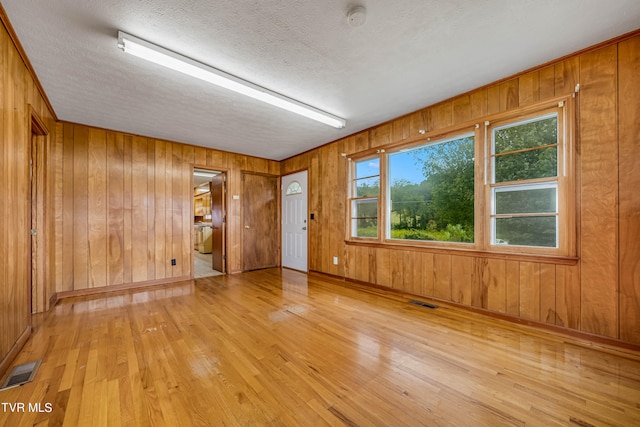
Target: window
<point>507,189</point>
<point>431,191</point>
<point>524,182</point>
<point>365,192</point>
<point>294,188</point>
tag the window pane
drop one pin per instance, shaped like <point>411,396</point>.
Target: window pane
<point>526,231</point>
<point>367,168</point>
<point>432,192</point>
<point>531,134</point>
<point>542,163</point>
<point>536,200</point>
<point>294,188</point>
<point>367,187</point>
<point>365,218</point>
<point>365,208</point>
<point>365,227</point>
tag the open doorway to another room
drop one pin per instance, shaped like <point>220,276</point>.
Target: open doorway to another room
<point>209,223</point>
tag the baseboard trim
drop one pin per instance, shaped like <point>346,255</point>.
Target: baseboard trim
<point>587,339</point>
<point>114,288</point>
<point>14,350</point>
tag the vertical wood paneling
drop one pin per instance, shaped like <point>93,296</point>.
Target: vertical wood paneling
<point>80,209</point>
<point>560,294</point>
<point>67,209</point>
<point>97,207</point>
<point>442,115</point>
<point>176,209</point>
<point>427,274</point>
<point>139,198</point>
<point>16,94</point>
<point>187,209</point>
<point>442,276</point>
<point>567,75</point>
<point>478,101</point>
<point>380,135</point>
<point>57,162</point>
<point>411,275</point>
<point>568,296</point>
<point>494,280</point>
<point>127,220</point>
<point>629,87</point>
<point>528,87</point>
<point>151,209</point>
<point>512,281</point>
<point>461,277</point>
<point>168,206</point>
<point>383,267</point>
<point>315,204</point>
<point>160,204</point>
<point>396,259</point>
<point>461,109</point>
<point>126,207</point>
<point>530,290</point>
<point>361,264</point>
<point>115,210</point>
<point>547,87</point>
<point>548,293</point>
<point>509,95</point>
<point>599,192</point>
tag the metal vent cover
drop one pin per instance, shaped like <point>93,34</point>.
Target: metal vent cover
<point>423,304</point>
<point>21,374</point>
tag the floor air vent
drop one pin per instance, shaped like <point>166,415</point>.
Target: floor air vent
<point>21,374</point>
<point>423,304</point>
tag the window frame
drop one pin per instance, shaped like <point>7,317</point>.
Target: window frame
<point>353,198</point>
<point>452,134</point>
<point>562,108</point>
<point>483,185</point>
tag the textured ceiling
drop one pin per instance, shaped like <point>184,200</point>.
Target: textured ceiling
<point>408,54</point>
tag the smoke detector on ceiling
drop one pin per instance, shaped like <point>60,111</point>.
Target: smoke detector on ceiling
<point>357,16</point>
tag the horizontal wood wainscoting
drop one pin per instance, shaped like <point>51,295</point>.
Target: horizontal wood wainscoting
<point>280,348</point>
<point>596,293</point>
<point>124,207</point>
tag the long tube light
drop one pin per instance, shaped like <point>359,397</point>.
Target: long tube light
<point>159,55</point>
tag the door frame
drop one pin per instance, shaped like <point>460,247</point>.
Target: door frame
<point>308,222</point>
<point>39,277</point>
<point>225,240</point>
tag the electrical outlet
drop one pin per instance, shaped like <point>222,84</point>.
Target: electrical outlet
<point>173,261</point>
<point>335,260</point>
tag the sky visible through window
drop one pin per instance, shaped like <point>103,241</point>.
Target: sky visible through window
<point>405,166</point>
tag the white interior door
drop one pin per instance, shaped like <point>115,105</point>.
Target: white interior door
<point>294,221</point>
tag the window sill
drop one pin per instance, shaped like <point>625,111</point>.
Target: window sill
<point>547,259</point>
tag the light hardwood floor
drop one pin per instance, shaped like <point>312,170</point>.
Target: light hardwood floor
<point>276,347</point>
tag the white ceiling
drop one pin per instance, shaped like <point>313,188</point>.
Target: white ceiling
<point>408,54</point>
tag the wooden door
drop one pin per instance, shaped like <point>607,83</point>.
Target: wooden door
<point>218,220</point>
<point>294,221</point>
<point>260,231</point>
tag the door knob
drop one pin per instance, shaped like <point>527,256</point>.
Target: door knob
<point>304,228</point>
<point>246,226</point>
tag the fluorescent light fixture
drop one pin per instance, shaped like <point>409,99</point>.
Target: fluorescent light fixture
<point>205,174</point>
<point>174,61</point>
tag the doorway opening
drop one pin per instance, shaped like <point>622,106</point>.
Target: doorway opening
<point>209,223</point>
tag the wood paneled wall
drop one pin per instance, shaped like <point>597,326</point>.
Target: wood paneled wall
<point>124,207</point>
<point>601,293</point>
<point>19,98</point>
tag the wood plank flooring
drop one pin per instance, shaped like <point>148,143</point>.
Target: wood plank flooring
<point>276,347</point>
